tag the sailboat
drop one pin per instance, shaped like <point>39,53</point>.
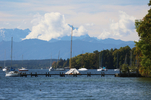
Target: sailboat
<point>100,67</point>
<point>56,69</point>
<point>5,68</point>
<point>117,69</point>
<point>23,69</point>
<point>82,69</point>
<point>59,69</point>
<point>12,72</point>
<point>72,70</point>
<point>51,69</point>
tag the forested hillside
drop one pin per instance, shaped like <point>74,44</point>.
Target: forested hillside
<point>111,59</point>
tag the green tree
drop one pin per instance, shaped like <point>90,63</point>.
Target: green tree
<point>143,27</point>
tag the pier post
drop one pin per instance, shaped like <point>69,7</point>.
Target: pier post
<point>46,74</point>
<point>102,74</point>
<point>88,74</point>
<point>25,75</point>
<point>36,74</point>
<point>49,75</point>
<point>31,74</point>
<point>75,75</point>
<point>21,75</point>
<point>62,74</point>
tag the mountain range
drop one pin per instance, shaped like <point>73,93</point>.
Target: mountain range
<point>35,49</point>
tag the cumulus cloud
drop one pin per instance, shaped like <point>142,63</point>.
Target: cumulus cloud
<point>52,25</point>
<point>80,31</point>
<point>124,27</point>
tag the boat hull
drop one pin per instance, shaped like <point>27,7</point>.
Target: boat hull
<point>82,69</point>
<point>12,74</point>
<point>99,69</point>
<point>4,70</point>
<point>23,69</point>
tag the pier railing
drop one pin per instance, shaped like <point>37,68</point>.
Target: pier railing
<point>88,74</point>
<point>61,74</point>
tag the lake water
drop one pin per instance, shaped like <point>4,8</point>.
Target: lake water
<point>74,88</point>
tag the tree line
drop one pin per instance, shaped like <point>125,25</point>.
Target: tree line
<point>110,59</point>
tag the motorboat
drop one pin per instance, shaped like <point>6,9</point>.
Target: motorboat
<point>82,69</point>
<point>72,71</point>
<point>12,73</point>
<point>102,69</point>
<point>5,69</point>
<point>57,69</point>
<point>23,69</point>
<point>51,69</point>
<point>116,69</point>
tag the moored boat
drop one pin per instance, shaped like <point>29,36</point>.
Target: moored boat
<point>51,69</point>
<point>116,69</point>
<point>5,69</point>
<point>72,71</point>
<point>23,69</point>
<point>12,73</point>
<point>82,69</point>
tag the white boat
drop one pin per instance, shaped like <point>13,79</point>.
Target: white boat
<point>5,69</point>
<point>82,69</point>
<point>72,71</point>
<point>100,69</point>
<point>116,69</point>
<point>100,66</point>
<point>57,69</point>
<point>12,74</point>
<point>23,69</point>
<point>51,69</point>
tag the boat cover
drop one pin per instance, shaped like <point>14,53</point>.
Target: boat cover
<point>72,71</point>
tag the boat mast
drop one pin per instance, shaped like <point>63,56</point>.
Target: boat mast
<point>22,60</point>
<point>51,60</point>
<point>11,49</point>
<point>58,59</point>
<point>131,60</point>
<point>71,47</point>
<point>102,60</point>
<point>99,60</point>
<point>4,58</point>
<point>117,60</point>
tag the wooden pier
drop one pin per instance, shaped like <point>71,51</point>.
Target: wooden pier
<point>61,74</point>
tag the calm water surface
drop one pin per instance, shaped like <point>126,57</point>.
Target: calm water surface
<point>74,88</point>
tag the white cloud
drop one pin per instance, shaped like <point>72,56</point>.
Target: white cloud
<point>52,25</point>
<point>81,31</point>
<point>123,28</point>
<point>104,35</point>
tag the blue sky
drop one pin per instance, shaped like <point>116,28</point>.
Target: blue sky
<point>49,19</point>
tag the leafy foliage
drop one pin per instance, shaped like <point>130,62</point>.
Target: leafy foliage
<point>143,27</point>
